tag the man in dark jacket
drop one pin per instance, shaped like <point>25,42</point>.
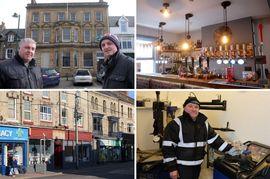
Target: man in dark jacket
<point>185,139</point>
<point>21,71</point>
<point>117,71</point>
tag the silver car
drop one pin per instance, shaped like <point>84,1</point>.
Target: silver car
<point>82,76</point>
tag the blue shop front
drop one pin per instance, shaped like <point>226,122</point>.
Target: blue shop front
<point>13,143</point>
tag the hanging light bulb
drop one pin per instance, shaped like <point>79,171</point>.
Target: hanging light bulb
<point>226,34</point>
<point>187,44</point>
<point>165,11</point>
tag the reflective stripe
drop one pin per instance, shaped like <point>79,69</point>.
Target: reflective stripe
<point>206,124</point>
<point>210,141</point>
<point>191,144</point>
<point>177,120</point>
<point>223,146</point>
<point>168,143</point>
<point>166,160</point>
<point>189,163</point>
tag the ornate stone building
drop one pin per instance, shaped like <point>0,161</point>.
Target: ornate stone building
<point>67,34</point>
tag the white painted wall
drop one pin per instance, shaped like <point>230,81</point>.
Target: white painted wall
<point>150,32</point>
<point>247,112</point>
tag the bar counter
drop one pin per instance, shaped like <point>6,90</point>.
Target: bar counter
<point>170,81</point>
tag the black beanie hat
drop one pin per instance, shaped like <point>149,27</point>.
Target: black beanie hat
<point>112,38</point>
<point>192,100</point>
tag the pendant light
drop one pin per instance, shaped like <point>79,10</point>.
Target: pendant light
<point>187,44</point>
<point>223,34</point>
<point>165,11</point>
<point>160,35</point>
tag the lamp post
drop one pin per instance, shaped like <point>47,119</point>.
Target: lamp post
<point>17,35</point>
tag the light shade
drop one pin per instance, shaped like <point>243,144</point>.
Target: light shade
<point>165,11</point>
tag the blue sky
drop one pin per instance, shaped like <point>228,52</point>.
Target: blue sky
<point>131,94</point>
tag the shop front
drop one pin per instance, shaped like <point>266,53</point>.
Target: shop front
<point>85,153</point>
<point>127,147</point>
<point>109,150</point>
<point>13,143</point>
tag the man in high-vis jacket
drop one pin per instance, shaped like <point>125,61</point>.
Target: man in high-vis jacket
<point>185,139</point>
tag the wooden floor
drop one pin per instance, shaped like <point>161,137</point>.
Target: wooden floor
<point>206,173</point>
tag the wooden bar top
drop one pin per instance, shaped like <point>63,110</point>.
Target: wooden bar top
<point>170,81</point>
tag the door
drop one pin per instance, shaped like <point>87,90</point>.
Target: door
<point>58,154</point>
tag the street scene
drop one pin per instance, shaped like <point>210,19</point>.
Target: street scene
<point>67,133</point>
<point>113,171</point>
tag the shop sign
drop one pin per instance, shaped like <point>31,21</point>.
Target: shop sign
<point>106,142</point>
<point>13,133</point>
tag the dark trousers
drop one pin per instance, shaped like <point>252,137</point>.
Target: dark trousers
<point>189,172</point>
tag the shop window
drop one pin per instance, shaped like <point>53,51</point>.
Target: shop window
<point>38,150</point>
<point>64,116</point>
<point>11,109</point>
<point>104,106</point>
<point>45,113</point>
<point>27,110</point>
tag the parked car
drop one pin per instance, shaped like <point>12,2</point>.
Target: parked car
<point>50,77</point>
<point>82,76</point>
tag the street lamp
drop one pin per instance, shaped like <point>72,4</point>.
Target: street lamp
<point>17,39</point>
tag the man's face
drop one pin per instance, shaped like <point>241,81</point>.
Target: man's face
<point>27,51</point>
<point>108,48</point>
<point>192,110</point>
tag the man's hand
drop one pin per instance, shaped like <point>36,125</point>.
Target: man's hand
<point>233,152</point>
<point>174,174</point>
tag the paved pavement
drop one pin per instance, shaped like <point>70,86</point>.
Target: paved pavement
<point>67,83</point>
<point>123,170</point>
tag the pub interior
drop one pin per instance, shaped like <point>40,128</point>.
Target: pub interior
<point>196,44</point>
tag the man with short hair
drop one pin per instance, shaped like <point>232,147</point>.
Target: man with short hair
<point>117,71</point>
<point>21,72</point>
<point>185,139</point>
